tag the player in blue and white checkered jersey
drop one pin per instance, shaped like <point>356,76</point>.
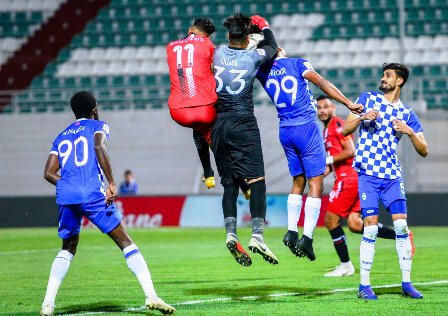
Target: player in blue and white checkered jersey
<point>381,126</point>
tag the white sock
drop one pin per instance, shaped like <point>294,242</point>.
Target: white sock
<point>312,211</point>
<point>404,248</point>
<point>137,264</point>
<point>367,252</point>
<point>294,205</point>
<point>58,271</point>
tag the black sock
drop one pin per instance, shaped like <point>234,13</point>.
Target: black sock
<point>229,201</point>
<point>385,232</point>
<point>258,199</point>
<point>204,153</point>
<point>340,244</point>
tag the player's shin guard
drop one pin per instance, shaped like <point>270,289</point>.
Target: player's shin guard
<point>367,252</point>
<point>58,271</point>
<point>340,243</point>
<point>312,211</point>
<point>258,199</point>
<point>204,153</point>
<point>294,206</point>
<point>137,264</point>
<point>404,249</point>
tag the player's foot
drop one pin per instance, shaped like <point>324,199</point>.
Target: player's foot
<point>247,194</point>
<point>366,292</point>
<point>344,269</point>
<point>47,309</point>
<point>290,240</point>
<point>156,303</point>
<point>209,182</point>
<point>407,289</point>
<point>238,251</point>
<point>305,246</point>
<point>259,246</point>
<point>411,238</point>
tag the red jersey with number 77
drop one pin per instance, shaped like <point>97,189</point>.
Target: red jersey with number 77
<point>333,140</point>
<point>192,81</point>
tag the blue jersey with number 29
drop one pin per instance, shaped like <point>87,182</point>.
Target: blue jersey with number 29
<point>284,82</point>
<point>81,175</point>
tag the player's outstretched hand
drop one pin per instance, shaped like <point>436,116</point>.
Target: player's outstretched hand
<point>370,116</point>
<point>111,194</point>
<point>259,21</point>
<point>356,108</point>
<point>401,127</point>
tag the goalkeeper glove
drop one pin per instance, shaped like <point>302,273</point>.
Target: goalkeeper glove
<point>259,21</point>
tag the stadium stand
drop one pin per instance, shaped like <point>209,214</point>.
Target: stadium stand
<point>120,53</point>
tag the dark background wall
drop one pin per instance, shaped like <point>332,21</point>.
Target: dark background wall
<point>423,210</point>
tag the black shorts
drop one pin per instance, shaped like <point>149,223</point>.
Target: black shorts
<point>236,145</point>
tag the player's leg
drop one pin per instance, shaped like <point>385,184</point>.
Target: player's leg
<point>294,203</point>
<point>229,199</point>
<point>203,149</point>
<point>394,199</point>
<point>258,213</point>
<point>247,161</point>
<point>294,208</point>
<point>312,212</point>
<point>108,220</point>
<point>308,142</point>
<point>345,268</point>
<point>69,227</point>
<point>369,188</point>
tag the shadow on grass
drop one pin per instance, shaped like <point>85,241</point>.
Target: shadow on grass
<point>103,307</point>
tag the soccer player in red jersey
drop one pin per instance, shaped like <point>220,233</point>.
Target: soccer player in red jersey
<point>344,199</point>
<point>193,89</point>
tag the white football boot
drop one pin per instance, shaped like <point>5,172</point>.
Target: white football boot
<point>156,303</point>
<point>47,309</point>
<point>257,246</point>
<point>344,269</point>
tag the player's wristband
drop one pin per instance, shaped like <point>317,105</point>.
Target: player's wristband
<point>329,160</point>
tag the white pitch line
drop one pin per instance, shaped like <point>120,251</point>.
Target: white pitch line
<point>256,297</point>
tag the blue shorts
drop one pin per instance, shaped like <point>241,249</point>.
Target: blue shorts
<point>70,216</point>
<point>304,149</point>
<point>371,189</point>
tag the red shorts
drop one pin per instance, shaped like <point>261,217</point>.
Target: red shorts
<point>200,118</point>
<point>344,198</point>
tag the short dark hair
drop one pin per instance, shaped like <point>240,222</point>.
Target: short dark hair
<point>205,25</point>
<point>127,172</point>
<point>82,103</point>
<point>323,97</point>
<point>238,26</point>
<point>401,70</point>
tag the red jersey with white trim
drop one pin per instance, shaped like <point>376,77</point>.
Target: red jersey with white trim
<point>333,140</point>
<point>192,81</point>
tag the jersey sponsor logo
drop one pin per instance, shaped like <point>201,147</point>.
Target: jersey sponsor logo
<point>229,62</point>
<point>262,52</point>
<point>363,196</point>
<point>277,72</point>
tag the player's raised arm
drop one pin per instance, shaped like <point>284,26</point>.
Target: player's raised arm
<point>51,169</point>
<point>103,160</point>
<point>269,44</point>
<point>333,92</point>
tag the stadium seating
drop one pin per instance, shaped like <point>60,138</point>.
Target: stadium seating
<point>121,55</point>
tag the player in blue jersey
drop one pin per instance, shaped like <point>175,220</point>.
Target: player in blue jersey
<point>236,141</point>
<point>79,152</point>
<point>286,82</point>
<point>381,126</point>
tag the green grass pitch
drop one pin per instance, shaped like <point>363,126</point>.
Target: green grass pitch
<point>193,270</point>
